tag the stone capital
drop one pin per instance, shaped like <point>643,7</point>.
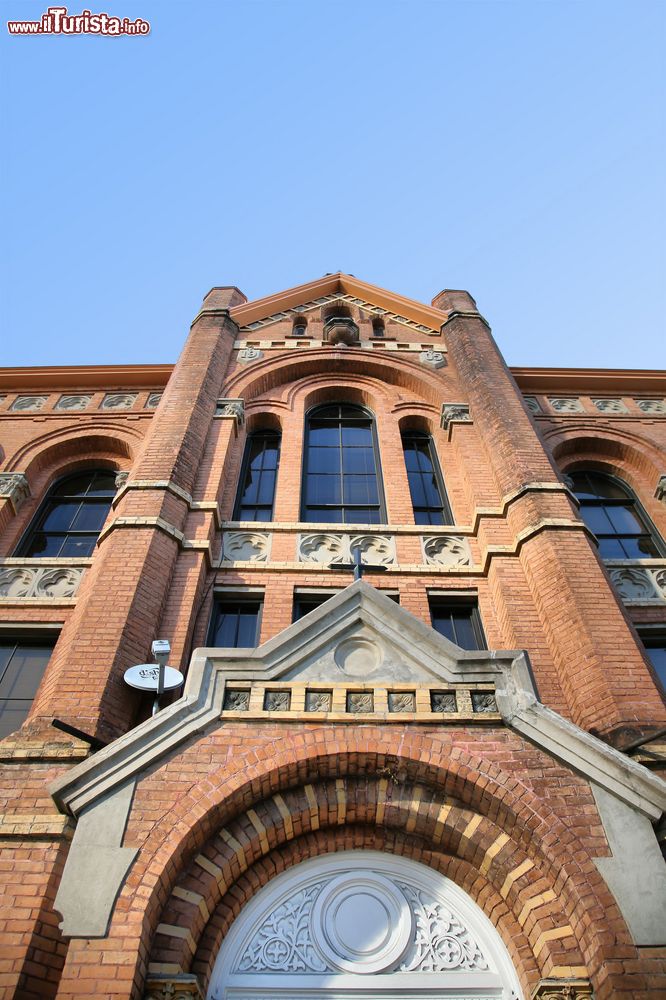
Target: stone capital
<point>660,491</point>
<point>234,408</point>
<point>177,987</point>
<point>563,989</point>
<point>455,413</point>
<point>14,487</point>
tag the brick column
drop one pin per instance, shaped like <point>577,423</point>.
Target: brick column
<point>600,667</point>
<point>124,592</point>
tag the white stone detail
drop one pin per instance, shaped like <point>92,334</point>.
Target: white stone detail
<point>450,551</point>
<point>39,582</point>
<point>73,402</point>
<point>566,404</point>
<point>455,413</point>
<point>283,943</point>
<point>118,401</point>
<point>249,354</point>
<point>234,408</point>
<point>22,403</point>
<point>326,547</point>
<point>634,583</point>
<point>610,405</point>
<point>651,405</point>
<point>358,657</point>
<point>153,400</point>
<point>432,358</point>
<point>246,546</point>
<point>442,942</point>
<point>660,492</point>
<point>14,486</point>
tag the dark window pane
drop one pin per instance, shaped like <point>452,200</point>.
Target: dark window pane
<point>327,515</point>
<point>362,515</point>
<point>360,489</point>
<point>656,651</point>
<point>638,548</point>
<point>458,622</point>
<point>611,548</point>
<point>360,460</point>
<point>75,486</point>
<point>256,493</point>
<point>324,434</point>
<point>464,631</point>
<point>22,667</point>
<point>325,460</point>
<point>247,628</point>
<point>624,521</point>
<point>357,435</point>
<point>91,517</point>
<point>597,520</point>
<point>266,488</point>
<point>443,624</point>
<point>60,517</point>
<point>44,545</point>
<point>78,546</point>
<point>235,624</point>
<point>60,520</point>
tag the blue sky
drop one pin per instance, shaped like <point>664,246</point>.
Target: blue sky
<point>512,148</point>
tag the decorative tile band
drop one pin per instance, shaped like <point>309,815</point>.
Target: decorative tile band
<point>303,701</point>
<point>449,551</point>
<point>639,581</point>
<point>31,579</point>
<point>329,548</point>
<point>246,546</point>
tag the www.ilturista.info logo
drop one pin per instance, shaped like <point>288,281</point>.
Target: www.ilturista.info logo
<point>56,21</point>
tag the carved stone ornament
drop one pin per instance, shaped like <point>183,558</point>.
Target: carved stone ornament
<point>455,413</point>
<point>563,989</point>
<point>651,405</point>
<point>27,403</point>
<point>660,491</point>
<point>610,405</point>
<point>118,401</point>
<point>360,701</point>
<point>443,701</point>
<point>566,404</point>
<point>318,701</point>
<point>449,551</point>
<point>234,408</point>
<point>236,700</point>
<point>153,400</point>
<point>277,701</point>
<point>328,547</point>
<point>246,546</point>
<point>182,987</point>
<point>121,479</point>
<point>14,486</point>
<point>633,584</point>
<point>49,583</point>
<point>249,354</point>
<point>73,402</point>
<point>532,404</point>
<point>432,358</point>
<point>401,701</point>
<point>483,701</point>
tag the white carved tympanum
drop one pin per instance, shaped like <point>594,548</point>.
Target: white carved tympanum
<point>450,551</point>
<point>362,924</point>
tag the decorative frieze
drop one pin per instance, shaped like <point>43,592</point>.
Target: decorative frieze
<point>483,701</point>
<point>73,403</point>
<point>153,400</point>
<point>318,701</point>
<point>401,701</point>
<point>246,546</point>
<point>637,582</point>
<point>532,404</point>
<point>277,701</point>
<point>563,989</point>
<point>24,404</point>
<point>610,405</point>
<point>443,701</point>
<point>455,413</point>
<point>118,401</point>
<point>236,700</point>
<point>249,354</point>
<point>449,551</point>
<point>231,408</point>
<point>31,579</point>
<point>15,488</point>
<point>327,548</point>
<point>660,491</point>
<point>360,702</point>
<point>566,404</point>
<point>432,358</point>
<point>657,406</point>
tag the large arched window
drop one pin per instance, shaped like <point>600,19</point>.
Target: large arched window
<point>611,511</point>
<point>71,518</point>
<point>426,486</point>
<point>341,480</point>
<point>256,494</point>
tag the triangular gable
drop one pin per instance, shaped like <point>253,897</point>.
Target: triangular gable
<point>252,316</point>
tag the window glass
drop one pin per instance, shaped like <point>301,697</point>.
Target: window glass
<point>235,623</point>
<point>655,647</point>
<point>72,516</point>
<point>426,486</point>
<point>22,666</point>
<point>612,513</point>
<point>459,621</point>
<point>256,495</point>
<point>340,472</point>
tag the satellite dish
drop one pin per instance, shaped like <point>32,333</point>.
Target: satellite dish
<point>144,677</point>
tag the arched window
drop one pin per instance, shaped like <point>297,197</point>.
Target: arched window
<point>611,511</point>
<point>71,518</point>
<point>299,327</point>
<point>257,482</point>
<point>341,481</point>
<point>378,328</point>
<point>426,486</point>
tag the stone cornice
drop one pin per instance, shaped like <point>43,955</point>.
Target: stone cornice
<point>590,380</point>
<point>85,376</point>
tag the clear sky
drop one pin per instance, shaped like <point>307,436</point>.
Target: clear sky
<point>514,148</point>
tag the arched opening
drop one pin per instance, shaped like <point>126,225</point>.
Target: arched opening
<point>69,521</point>
<point>362,924</point>
<point>612,512</point>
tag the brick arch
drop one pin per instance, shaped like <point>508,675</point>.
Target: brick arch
<point>624,454</point>
<point>54,450</point>
<point>518,895</point>
<point>264,376</point>
<point>502,818</point>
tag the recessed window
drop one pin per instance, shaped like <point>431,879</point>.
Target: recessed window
<point>235,622</point>
<point>260,464</point>
<point>378,327</point>
<point>341,481</point>
<point>300,327</point>
<point>426,485</point>
<point>655,647</point>
<point>70,519</point>
<point>613,514</point>
<point>23,661</point>
<point>458,619</point>
<point>306,602</point>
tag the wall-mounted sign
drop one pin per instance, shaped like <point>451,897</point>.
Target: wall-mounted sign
<point>144,677</point>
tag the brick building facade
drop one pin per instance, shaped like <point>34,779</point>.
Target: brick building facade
<point>331,485</point>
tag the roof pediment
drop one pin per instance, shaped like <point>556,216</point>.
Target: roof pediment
<point>423,318</point>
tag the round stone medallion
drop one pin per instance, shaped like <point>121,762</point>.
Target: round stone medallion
<point>361,923</point>
<point>358,657</point>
